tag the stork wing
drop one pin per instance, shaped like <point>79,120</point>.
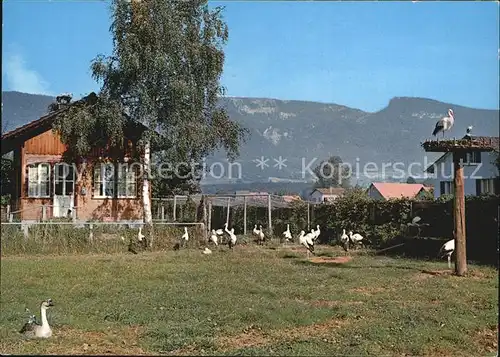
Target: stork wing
<point>439,126</point>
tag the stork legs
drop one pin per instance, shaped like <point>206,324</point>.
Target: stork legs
<point>449,261</point>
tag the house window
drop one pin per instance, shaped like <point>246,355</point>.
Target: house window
<point>104,180</point>
<point>39,180</point>
<point>446,187</point>
<point>127,181</point>
<point>485,187</point>
<point>64,179</point>
<point>473,157</point>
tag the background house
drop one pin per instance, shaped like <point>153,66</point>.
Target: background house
<point>394,190</point>
<point>102,186</point>
<point>326,194</point>
<point>480,172</point>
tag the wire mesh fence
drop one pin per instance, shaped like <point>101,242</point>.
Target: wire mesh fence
<point>93,237</point>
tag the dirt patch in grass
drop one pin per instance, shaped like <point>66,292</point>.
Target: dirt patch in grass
<point>337,260</point>
<point>258,338</point>
<point>368,290</point>
<point>69,341</point>
<point>327,303</point>
<point>437,272</point>
<point>487,339</point>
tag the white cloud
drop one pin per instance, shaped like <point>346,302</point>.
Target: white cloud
<point>21,78</point>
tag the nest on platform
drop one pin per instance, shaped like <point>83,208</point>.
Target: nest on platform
<point>464,144</point>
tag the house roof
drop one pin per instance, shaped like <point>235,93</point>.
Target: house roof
<point>390,190</point>
<point>495,142</point>
<point>291,198</point>
<point>330,191</point>
<point>12,138</point>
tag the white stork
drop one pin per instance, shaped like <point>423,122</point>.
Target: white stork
<point>213,237</point>
<point>355,238</point>
<point>444,124</point>
<point>255,230</point>
<point>287,233</point>
<point>261,235</point>
<point>307,241</point>
<point>232,239</point>
<point>185,237</point>
<point>447,249</point>
<point>316,232</point>
<point>344,239</point>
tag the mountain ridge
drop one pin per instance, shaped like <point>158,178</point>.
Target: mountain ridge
<point>301,130</point>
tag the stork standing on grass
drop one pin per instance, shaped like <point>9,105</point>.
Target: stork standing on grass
<point>355,238</point>
<point>306,241</point>
<point>185,237</point>
<point>444,124</point>
<point>287,234</point>
<point>255,230</point>
<point>262,237</point>
<point>232,239</point>
<point>447,249</point>
<point>316,232</point>
<point>213,237</point>
<point>344,239</point>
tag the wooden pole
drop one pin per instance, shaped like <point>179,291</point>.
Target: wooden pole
<point>162,212</point>
<point>228,210</point>
<point>244,215</point>
<point>308,218</point>
<point>209,215</point>
<point>459,217</point>
<point>269,208</point>
<point>175,208</point>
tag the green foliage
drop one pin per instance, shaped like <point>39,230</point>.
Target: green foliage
<point>331,173</point>
<point>164,72</point>
<point>6,181</point>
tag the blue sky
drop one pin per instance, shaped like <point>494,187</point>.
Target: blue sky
<point>356,54</point>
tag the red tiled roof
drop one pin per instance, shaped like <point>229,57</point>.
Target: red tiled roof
<point>398,190</point>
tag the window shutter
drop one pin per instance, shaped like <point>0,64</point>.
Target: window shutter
<point>478,187</point>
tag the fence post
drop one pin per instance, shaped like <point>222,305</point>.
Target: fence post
<point>175,208</point>
<point>308,217</point>
<point>209,215</point>
<point>44,212</point>
<point>228,210</point>
<point>162,212</point>
<point>91,234</point>
<point>244,215</point>
<point>11,217</point>
<point>7,211</point>
<point>269,225</point>
<point>26,231</point>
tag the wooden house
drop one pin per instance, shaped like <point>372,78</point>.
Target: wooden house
<point>103,186</point>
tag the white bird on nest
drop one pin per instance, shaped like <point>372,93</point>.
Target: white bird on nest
<point>444,124</point>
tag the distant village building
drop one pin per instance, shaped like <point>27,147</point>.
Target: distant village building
<point>480,172</point>
<point>392,190</point>
<point>326,194</point>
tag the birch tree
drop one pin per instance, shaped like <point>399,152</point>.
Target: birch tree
<point>164,72</point>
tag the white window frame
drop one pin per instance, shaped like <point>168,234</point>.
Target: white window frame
<point>37,181</point>
<point>127,181</point>
<point>105,182</point>
<point>487,186</point>
<point>64,179</point>
<point>448,188</point>
<point>473,158</point>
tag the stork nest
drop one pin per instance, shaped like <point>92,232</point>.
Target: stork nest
<point>472,144</point>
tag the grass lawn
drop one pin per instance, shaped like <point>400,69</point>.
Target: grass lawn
<point>252,301</point>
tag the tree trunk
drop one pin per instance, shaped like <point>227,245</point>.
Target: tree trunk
<point>146,199</point>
